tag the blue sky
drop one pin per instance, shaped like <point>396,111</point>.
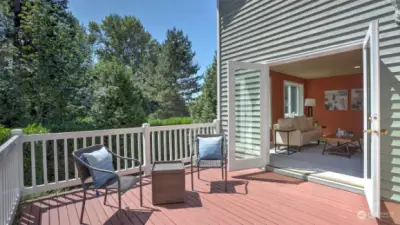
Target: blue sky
<point>197,19</point>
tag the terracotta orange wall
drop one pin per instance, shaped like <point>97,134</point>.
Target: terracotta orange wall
<point>277,92</point>
<point>350,119</point>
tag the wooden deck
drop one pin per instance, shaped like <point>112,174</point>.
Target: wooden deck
<point>255,197</point>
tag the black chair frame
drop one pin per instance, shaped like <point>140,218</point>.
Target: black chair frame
<point>84,175</point>
<point>211,163</point>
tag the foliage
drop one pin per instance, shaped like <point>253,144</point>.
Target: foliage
<point>205,107</point>
<point>35,129</point>
<point>174,82</point>
<point>54,56</point>
<point>170,121</point>
<point>116,103</point>
<point>53,72</point>
<point>120,37</point>
<point>10,105</point>
<point>4,134</point>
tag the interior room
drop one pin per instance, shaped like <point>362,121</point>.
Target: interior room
<point>328,92</point>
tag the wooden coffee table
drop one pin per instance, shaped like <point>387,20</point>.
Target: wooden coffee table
<point>342,144</point>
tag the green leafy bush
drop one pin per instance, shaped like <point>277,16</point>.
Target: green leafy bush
<point>35,129</point>
<point>170,121</point>
<point>4,134</point>
<point>80,124</point>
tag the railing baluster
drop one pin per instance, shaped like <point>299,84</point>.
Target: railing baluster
<point>118,153</point>
<point>185,141</point>
<point>125,152</point>
<point>101,139</point>
<point>180,144</point>
<point>190,142</point>
<point>133,155</point>
<point>170,144</point>
<point>176,144</point>
<point>84,142</point>
<point>66,160</point>
<point>159,145</point>
<point>33,164</point>
<point>165,145</point>
<point>153,146</point>
<point>75,148</point>
<point>139,146</point>
<point>44,151</point>
<point>110,143</point>
<point>94,140</point>
<point>55,149</point>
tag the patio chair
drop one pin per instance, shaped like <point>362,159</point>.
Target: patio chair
<point>119,184</point>
<point>210,163</point>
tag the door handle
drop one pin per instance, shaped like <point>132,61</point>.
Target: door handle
<point>384,131</point>
<point>369,131</point>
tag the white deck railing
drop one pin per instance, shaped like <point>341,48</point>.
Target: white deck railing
<point>32,164</point>
<point>10,182</point>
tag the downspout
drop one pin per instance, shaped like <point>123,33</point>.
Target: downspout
<point>218,66</point>
<point>396,5</point>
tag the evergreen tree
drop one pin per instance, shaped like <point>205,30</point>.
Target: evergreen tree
<point>205,107</point>
<point>10,109</point>
<point>117,102</point>
<point>175,81</point>
<point>53,59</point>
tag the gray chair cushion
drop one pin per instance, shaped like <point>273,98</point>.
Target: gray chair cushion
<point>127,182</point>
<point>210,163</point>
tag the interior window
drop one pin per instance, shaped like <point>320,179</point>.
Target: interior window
<point>293,99</point>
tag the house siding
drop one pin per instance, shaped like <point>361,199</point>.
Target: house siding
<point>260,30</point>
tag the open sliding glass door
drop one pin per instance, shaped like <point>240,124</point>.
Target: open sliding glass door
<point>248,115</point>
<point>372,119</point>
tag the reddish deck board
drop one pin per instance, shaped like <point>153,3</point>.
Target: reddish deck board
<point>254,197</point>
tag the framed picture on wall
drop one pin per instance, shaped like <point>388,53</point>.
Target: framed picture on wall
<point>336,99</point>
<point>357,99</point>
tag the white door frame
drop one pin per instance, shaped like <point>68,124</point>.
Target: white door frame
<point>358,44</point>
<point>372,182</point>
<point>263,160</point>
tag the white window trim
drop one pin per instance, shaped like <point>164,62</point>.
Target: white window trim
<point>301,97</point>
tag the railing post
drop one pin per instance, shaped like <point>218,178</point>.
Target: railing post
<point>147,149</point>
<point>217,123</point>
<point>18,147</point>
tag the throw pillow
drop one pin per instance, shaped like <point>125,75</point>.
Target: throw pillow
<point>100,159</point>
<point>302,121</point>
<point>285,123</point>
<point>210,148</point>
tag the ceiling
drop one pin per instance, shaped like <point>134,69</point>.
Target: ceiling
<point>326,66</point>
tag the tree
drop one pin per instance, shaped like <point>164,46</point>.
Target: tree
<point>9,98</point>
<point>117,102</point>
<point>205,107</point>
<point>123,38</point>
<point>53,60</point>
<point>175,81</point>
<point>177,56</point>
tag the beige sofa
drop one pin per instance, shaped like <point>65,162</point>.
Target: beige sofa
<point>305,131</point>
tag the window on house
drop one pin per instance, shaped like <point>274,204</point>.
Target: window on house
<point>293,99</point>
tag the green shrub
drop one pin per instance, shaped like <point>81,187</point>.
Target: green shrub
<point>81,124</point>
<point>35,129</point>
<point>170,121</point>
<point>4,134</point>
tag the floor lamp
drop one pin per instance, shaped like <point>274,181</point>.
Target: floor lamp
<point>310,103</point>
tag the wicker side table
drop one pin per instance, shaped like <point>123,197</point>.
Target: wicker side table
<point>168,182</point>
